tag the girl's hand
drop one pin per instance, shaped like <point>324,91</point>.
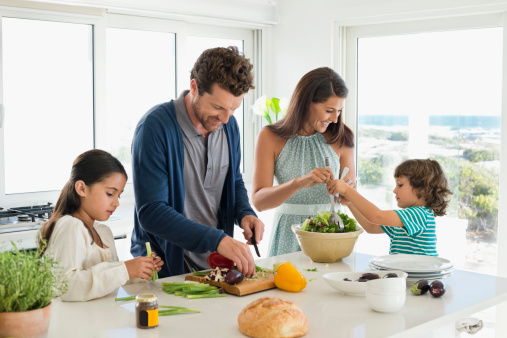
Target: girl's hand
<point>157,261</point>
<point>140,267</point>
<point>315,177</point>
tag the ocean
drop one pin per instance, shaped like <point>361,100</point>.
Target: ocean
<point>454,122</point>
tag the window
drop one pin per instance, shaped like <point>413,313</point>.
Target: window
<point>48,101</point>
<point>433,94</point>
<point>72,83</point>
<point>141,72</point>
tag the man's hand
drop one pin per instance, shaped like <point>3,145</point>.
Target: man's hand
<point>250,222</point>
<point>239,253</point>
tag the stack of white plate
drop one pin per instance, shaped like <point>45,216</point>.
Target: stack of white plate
<point>416,266</point>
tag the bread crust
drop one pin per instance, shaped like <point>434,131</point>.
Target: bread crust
<point>271,317</point>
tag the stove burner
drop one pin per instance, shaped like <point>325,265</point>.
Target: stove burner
<point>24,218</point>
<point>26,214</point>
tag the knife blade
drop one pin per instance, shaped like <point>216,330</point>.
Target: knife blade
<point>254,243</point>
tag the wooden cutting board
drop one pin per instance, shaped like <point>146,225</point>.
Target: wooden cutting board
<point>247,286</point>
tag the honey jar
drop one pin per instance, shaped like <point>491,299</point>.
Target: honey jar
<point>146,311</point>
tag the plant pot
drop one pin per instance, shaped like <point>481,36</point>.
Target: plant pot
<point>25,324</point>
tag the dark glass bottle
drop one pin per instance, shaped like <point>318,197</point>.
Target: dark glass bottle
<point>146,311</point>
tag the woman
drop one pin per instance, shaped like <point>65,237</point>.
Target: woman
<point>294,149</point>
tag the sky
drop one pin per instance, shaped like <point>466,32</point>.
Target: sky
<point>443,73</point>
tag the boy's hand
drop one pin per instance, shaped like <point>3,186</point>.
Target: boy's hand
<point>337,187</point>
<point>344,200</point>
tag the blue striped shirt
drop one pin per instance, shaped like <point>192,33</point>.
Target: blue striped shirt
<point>417,235</point>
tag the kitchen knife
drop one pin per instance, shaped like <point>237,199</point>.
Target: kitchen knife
<point>254,243</point>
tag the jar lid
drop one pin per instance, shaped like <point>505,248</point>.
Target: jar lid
<point>146,298</point>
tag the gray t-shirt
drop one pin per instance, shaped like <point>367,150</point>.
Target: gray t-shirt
<point>205,168</point>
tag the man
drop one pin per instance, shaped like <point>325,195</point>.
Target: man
<point>186,154</point>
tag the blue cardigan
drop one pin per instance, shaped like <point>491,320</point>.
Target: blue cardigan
<point>157,163</point>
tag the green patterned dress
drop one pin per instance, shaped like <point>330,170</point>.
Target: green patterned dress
<point>299,156</point>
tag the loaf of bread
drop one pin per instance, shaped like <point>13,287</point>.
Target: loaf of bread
<point>271,317</point>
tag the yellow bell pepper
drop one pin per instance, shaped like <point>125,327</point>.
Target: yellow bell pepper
<point>288,278</point>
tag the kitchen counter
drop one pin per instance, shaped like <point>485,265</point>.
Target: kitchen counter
<point>331,314</point>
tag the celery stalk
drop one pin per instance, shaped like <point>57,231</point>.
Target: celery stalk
<point>124,299</point>
<point>155,273</point>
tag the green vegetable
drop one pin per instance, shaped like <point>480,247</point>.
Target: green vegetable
<point>199,273</point>
<point>124,299</point>
<point>192,290</point>
<point>155,273</point>
<point>206,295</point>
<point>320,223</point>
<point>314,269</point>
<point>174,310</point>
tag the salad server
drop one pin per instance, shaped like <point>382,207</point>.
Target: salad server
<point>334,218</point>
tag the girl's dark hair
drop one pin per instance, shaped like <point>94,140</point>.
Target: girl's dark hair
<point>428,180</point>
<point>227,67</point>
<point>316,86</point>
<point>91,167</point>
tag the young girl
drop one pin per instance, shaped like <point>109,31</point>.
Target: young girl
<point>422,193</point>
<point>84,247</point>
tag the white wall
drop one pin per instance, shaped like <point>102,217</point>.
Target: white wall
<point>304,38</point>
<point>252,12</point>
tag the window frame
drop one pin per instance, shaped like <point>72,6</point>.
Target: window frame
<point>110,20</point>
<point>347,37</point>
<point>41,197</point>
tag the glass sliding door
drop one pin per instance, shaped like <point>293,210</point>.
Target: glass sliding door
<point>434,94</point>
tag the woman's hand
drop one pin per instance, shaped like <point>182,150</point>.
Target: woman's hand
<point>315,177</point>
<point>350,179</point>
<point>140,267</point>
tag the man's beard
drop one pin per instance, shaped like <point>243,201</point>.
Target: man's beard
<point>204,122</point>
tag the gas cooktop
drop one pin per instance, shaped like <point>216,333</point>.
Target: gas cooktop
<point>24,218</point>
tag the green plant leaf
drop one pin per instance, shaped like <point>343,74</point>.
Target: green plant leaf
<point>275,106</point>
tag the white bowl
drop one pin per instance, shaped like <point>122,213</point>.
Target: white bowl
<point>335,280</point>
<point>386,303</point>
<point>386,286</point>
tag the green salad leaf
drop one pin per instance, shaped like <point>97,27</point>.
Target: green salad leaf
<point>320,223</point>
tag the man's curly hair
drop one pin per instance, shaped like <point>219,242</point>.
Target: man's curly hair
<point>428,180</point>
<point>227,67</point>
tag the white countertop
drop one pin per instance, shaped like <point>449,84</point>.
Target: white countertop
<point>330,313</point>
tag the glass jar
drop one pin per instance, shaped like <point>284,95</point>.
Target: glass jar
<point>146,311</point>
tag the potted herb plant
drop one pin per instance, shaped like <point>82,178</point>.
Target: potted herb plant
<point>28,283</point>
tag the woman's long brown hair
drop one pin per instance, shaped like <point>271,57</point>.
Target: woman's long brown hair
<point>316,86</point>
<point>91,167</point>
